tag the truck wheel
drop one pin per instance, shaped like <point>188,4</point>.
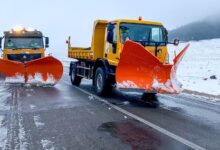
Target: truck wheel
<point>75,80</point>
<point>150,99</point>
<point>102,85</point>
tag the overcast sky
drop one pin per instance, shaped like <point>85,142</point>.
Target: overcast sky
<point>60,18</point>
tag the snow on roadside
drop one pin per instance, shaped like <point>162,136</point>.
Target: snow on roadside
<point>200,66</point>
<point>3,133</point>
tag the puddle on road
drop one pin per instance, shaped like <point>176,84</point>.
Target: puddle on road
<point>132,133</point>
<point>138,136</point>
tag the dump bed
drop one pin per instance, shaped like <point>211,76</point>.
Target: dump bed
<point>97,45</point>
<point>80,53</point>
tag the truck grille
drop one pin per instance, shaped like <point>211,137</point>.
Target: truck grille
<point>23,57</point>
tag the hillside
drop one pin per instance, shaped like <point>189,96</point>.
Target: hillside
<point>208,28</point>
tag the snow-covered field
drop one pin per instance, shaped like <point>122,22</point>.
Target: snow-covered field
<point>200,68</point>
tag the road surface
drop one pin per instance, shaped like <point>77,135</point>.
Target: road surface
<point>65,117</point>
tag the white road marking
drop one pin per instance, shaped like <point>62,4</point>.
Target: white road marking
<point>154,126</point>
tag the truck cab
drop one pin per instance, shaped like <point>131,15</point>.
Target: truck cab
<point>20,44</point>
<point>151,35</point>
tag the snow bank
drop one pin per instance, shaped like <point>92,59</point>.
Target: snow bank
<point>202,60</point>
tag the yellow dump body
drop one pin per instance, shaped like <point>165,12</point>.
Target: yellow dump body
<point>100,45</point>
<point>80,53</point>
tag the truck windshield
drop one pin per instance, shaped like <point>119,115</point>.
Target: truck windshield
<point>19,43</point>
<point>147,35</point>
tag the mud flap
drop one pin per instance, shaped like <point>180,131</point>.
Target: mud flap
<point>140,69</point>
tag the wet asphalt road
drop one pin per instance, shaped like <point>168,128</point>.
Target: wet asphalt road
<point>63,117</point>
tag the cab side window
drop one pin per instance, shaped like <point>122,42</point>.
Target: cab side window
<point>112,36</point>
<point>114,45</point>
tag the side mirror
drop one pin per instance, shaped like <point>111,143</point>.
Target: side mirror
<point>46,42</point>
<point>110,37</point>
<point>0,42</point>
<point>176,42</point>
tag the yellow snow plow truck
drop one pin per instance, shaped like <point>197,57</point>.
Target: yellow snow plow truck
<point>24,59</point>
<point>128,54</point>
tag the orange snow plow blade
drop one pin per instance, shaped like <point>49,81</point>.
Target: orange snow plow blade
<point>47,70</point>
<point>43,71</point>
<point>140,69</point>
<point>12,70</point>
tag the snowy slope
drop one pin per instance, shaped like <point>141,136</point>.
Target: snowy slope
<point>201,61</point>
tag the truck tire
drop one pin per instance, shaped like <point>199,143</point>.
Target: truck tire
<point>102,85</point>
<point>75,80</point>
<point>150,99</point>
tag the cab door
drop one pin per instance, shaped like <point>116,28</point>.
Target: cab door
<point>111,47</point>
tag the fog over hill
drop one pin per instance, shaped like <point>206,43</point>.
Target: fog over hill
<point>208,28</point>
